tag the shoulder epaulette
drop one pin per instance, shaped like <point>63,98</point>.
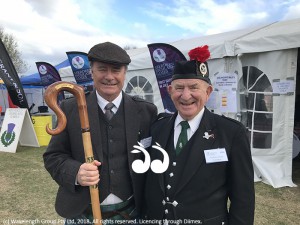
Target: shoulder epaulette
<point>163,116</point>
<point>233,120</point>
<point>139,99</point>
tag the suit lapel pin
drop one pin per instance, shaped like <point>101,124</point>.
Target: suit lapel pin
<point>208,136</point>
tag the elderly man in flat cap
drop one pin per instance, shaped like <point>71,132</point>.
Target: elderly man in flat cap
<point>117,122</point>
<point>210,178</point>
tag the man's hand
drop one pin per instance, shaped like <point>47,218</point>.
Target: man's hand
<point>88,174</point>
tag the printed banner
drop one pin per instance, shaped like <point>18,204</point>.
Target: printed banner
<point>80,66</point>
<point>48,73</point>
<point>11,79</point>
<point>163,58</point>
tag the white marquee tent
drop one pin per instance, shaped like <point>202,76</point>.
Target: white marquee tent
<point>260,57</point>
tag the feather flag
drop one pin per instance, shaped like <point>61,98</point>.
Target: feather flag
<point>80,66</point>
<point>48,73</point>
<point>11,79</point>
<point>163,58</point>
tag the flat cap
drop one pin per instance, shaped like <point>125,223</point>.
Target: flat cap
<point>108,52</point>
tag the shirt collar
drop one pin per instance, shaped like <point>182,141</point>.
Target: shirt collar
<point>102,102</point>
<point>194,123</point>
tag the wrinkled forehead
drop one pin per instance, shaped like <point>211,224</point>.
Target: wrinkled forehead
<point>97,64</point>
<point>189,82</point>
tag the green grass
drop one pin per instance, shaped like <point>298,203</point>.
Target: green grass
<point>27,192</point>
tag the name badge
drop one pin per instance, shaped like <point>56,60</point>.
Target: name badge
<point>146,142</point>
<point>215,155</point>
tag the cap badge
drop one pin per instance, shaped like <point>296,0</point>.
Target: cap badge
<point>203,69</point>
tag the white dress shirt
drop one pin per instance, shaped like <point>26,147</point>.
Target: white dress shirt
<point>194,124</point>
<point>111,198</point>
<point>102,102</point>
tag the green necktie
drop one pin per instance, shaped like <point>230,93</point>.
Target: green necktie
<point>182,139</point>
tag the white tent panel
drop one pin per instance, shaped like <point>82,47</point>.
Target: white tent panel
<point>273,164</point>
<point>34,95</point>
<point>66,74</point>
<point>219,47</point>
<point>143,83</point>
<point>276,36</point>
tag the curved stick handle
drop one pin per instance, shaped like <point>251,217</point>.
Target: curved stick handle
<point>51,94</point>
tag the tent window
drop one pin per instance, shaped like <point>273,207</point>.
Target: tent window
<point>257,106</point>
<point>141,87</point>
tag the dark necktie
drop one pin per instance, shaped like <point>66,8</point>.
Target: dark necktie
<point>182,139</point>
<point>108,110</point>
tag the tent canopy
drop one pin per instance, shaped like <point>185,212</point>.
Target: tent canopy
<point>271,37</point>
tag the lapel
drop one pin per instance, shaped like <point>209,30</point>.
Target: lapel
<point>162,139</point>
<point>132,124</point>
<point>199,144</point>
<point>95,130</point>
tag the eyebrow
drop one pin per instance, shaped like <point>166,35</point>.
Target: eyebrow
<point>116,67</point>
<point>189,85</point>
<point>194,85</point>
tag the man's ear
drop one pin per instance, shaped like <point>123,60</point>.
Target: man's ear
<point>91,71</point>
<point>169,89</point>
<point>209,90</point>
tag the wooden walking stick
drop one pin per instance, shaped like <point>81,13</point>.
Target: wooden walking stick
<point>51,99</point>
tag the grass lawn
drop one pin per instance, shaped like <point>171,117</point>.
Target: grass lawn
<point>27,192</point>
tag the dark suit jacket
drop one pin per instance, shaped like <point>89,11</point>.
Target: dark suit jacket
<point>203,189</point>
<point>65,152</point>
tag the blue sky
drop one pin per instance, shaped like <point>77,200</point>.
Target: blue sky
<point>46,29</point>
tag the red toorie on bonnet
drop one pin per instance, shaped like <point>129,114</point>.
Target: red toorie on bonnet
<point>196,67</point>
<point>200,54</point>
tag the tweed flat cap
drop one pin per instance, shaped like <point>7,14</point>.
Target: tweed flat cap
<point>108,52</point>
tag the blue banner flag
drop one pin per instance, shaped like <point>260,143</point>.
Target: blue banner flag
<point>163,58</point>
<point>11,79</point>
<point>80,66</point>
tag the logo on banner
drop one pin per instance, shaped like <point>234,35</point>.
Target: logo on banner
<point>157,166</point>
<point>78,62</point>
<point>43,69</point>
<point>9,135</point>
<point>159,55</point>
